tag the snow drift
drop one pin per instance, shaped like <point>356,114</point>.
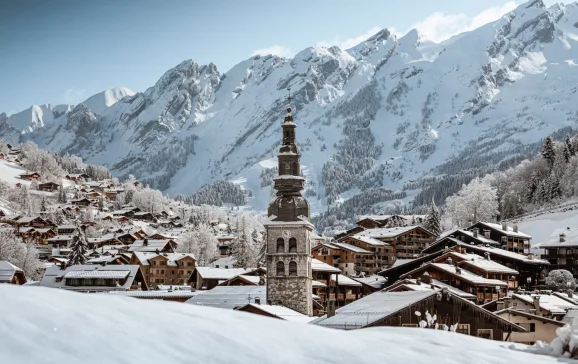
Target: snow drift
<point>53,326</point>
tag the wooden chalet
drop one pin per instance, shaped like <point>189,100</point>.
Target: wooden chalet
<point>31,221</point>
<point>31,176</point>
<point>531,269</point>
<point>274,311</point>
<point>398,309</point>
<point>81,202</point>
<point>95,278</point>
<point>11,274</point>
<point>538,328</point>
<point>389,244</point>
<point>77,177</point>
<point>485,289</point>
<point>510,238</point>
<point>409,284</point>
<point>244,280</point>
<point>165,268</point>
<point>208,277</point>
<point>344,256</point>
<point>2,155</point>
<point>153,246</point>
<point>65,229</point>
<point>48,187</point>
<point>172,294</point>
<point>542,303</point>
<point>144,216</point>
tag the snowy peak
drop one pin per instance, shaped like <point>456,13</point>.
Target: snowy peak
<point>37,116</point>
<point>103,100</point>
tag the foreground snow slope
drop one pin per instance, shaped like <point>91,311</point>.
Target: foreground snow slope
<point>53,326</point>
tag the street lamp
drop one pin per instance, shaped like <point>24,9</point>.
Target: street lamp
<point>529,280</point>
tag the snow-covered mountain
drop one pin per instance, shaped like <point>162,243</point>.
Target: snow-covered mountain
<point>382,114</point>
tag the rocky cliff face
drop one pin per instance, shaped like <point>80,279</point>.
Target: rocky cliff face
<point>390,113</point>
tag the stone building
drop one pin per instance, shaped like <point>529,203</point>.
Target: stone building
<point>289,232</point>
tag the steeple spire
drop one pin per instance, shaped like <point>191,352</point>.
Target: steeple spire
<point>290,183</point>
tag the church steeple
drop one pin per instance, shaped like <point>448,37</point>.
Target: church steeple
<point>289,204</point>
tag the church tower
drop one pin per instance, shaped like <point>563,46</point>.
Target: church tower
<point>289,232</point>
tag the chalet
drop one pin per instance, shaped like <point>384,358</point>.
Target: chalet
<point>31,176</point>
<point>59,242</point>
<point>346,257</point>
<point>485,289</point>
<point>474,237</point>
<point>349,232</point>
<point>388,221</point>
<point>110,194</point>
<point>163,236</point>
<point>2,155</point>
<point>11,274</point>
<point>224,262</point>
<point>171,294</point>
<point>544,304</point>
<point>58,261</point>
<point>389,244</point>
<point>119,219</point>
<point>401,309</point>
<point>95,278</point>
<point>48,187</point>
<point>32,221</point>
<point>329,286</point>
<point>276,312</point>
<point>403,266</point>
<point>562,253</point>
<point>371,284</point>
<point>125,213</point>
<point>81,202</point>
<point>510,238</point>
<point>109,260</point>
<point>531,270</point>
<point>244,280</point>
<point>165,268</point>
<point>417,284</point>
<point>65,229</point>
<point>538,328</point>
<point>95,243</point>
<point>153,245</point>
<point>144,216</point>
<point>77,177</point>
<point>124,238</point>
<point>208,278</point>
<point>230,297</point>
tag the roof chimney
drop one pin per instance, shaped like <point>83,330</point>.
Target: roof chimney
<point>504,226</point>
<point>536,301</point>
<point>562,237</point>
<point>487,255</point>
<point>145,242</point>
<point>515,226</point>
<point>257,300</point>
<point>475,232</point>
<point>487,234</point>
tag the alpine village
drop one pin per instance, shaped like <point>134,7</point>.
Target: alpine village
<point>90,233</point>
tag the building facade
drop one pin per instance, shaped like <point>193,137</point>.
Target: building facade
<point>289,232</point>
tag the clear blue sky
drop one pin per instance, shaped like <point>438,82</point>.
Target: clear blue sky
<point>64,51</point>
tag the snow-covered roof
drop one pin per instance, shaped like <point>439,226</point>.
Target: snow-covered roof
<point>375,281</point>
<point>570,316</point>
<point>281,312</point>
<point>317,284</point>
<point>219,273</point>
<point>7,271</point>
<point>105,274</point>
<point>157,294</point>
<point>53,277</point>
<point>483,263</point>
<point>503,253</point>
<point>469,276</point>
<point>385,232</point>
<point>548,302</point>
<point>151,245</point>
<point>481,237</point>
<point>434,285</point>
<point>350,247</point>
<point>368,239</point>
<point>319,266</point>
<point>344,280</point>
<point>509,231</point>
<point>226,262</point>
<point>399,262</point>
<point>230,297</point>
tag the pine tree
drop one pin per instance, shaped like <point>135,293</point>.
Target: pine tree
<point>567,150</point>
<point>78,248</point>
<point>61,195</point>
<point>43,205</point>
<point>570,146</point>
<point>432,220</point>
<point>548,151</point>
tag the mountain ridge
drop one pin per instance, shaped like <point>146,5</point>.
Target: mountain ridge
<point>380,115</point>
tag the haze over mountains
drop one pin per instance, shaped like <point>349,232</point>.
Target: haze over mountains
<point>388,114</point>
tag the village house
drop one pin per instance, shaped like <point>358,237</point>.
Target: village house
<point>402,266</point>
<point>346,257</point>
<point>78,178</point>
<point>244,280</point>
<point>30,176</point>
<point>562,254</point>
<point>400,309</point>
<point>389,244</point>
<point>31,221</point>
<point>81,202</point>
<point>277,312</point>
<point>230,297</point>
<point>165,268</point>
<point>95,278</point>
<point>538,328</point>
<point>510,238</point>
<point>208,277</point>
<point>541,303</point>
<point>172,294</point>
<point>417,284</point>
<point>388,221</point>
<point>144,216</point>
<point>48,187</point>
<point>11,274</point>
<point>104,259</point>
<point>153,246</point>
<point>65,229</point>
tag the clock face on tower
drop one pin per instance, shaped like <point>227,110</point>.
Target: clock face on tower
<point>286,234</point>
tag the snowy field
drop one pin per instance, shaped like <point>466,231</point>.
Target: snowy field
<point>9,173</point>
<point>53,326</point>
<point>547,227</point>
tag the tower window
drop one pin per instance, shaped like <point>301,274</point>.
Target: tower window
<point>292,268</point>
<point>280,269</point>
<point>292,245</point>
<point>280,245</point>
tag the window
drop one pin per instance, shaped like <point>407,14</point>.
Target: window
<point>463,329</point>
<point>530,327</point>
<point>280,269</point>
<point>486,333</point>
<point>280,245</point>
<point>292,268</point>
<point>292,245</point>
<point>409,325</point>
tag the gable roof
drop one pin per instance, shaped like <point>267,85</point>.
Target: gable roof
<point>549,302</point>
<point>480,262</point>
<point>229,297</point>
<point>514,312</point>
<point>8,270</point>
<point>90,271</point>
<point>498,227</point>
<point>281,312</point>
<point>319,266</point>
<point>463,274</point>
<point>219,273</point>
